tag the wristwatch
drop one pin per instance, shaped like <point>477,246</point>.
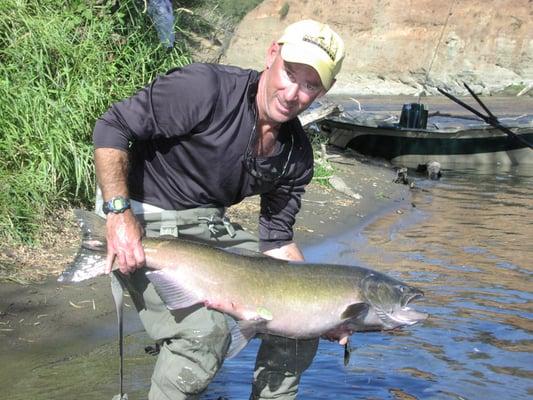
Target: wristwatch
<point>116,205</point>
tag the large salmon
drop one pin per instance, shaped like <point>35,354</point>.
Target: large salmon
<point>264,295</point>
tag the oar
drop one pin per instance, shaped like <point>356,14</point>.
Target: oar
<point>490,119</point>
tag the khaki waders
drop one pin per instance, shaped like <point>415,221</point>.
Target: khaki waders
<point>194,341</point>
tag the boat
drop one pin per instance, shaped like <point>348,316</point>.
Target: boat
<point>447,140</point>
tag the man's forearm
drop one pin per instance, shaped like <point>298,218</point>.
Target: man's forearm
<point>290,252</point>
<point>123,231</point>
<point>112,172</point>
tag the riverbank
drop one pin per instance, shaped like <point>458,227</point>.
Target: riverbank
<point>44,312</point>
<point>395,48</point>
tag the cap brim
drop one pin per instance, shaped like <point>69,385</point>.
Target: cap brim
<point>309,54</point>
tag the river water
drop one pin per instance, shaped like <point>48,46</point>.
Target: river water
<point>466,240</point>
<point>467,243</point>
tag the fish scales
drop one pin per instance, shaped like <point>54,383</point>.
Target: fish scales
<point>264,295</point>
<point>248,275</point>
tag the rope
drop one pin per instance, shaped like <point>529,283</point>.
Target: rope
<point>437,47</point>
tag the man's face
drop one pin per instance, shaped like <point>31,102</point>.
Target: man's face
<point>289,88</point>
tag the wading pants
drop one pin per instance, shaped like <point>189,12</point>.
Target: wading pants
<point>194,341</point>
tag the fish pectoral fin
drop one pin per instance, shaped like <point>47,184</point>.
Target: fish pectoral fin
<point>355,310</point>
<point>171,292</point>
<point>347,353</point>
<point>241,334</point>
<point>258,314</point>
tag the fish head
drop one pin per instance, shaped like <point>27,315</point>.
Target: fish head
<point>389,301</point>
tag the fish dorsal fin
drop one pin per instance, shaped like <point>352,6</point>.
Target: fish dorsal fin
<point>241,334</point>
<point>355,310</point>
<point>244,252</point>
<point>168,287</point>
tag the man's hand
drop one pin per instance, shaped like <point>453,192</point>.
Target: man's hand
<point>124,241</point>
<point>342,335</point>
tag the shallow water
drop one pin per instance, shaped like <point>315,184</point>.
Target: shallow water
<point>467,244</point>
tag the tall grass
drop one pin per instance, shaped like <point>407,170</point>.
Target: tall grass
<point>62,63</point>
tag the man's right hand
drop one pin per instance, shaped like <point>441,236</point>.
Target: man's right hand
<point>124,242</point>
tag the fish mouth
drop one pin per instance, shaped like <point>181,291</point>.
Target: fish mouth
<point>408,316</point>
<point>402,314</point>
<point>401,317</point>
<point>415,294</point>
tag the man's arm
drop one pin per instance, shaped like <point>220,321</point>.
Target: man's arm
<point>290,252</point>
<point>124,233</point>
<point>160,110</point>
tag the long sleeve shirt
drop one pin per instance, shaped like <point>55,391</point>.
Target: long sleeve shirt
<point>191,134</point>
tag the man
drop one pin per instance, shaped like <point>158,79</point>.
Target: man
<point>172,157</point>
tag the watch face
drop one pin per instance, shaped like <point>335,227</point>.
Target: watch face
<point>116,205</point>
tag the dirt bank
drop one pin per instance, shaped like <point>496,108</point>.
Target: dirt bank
<point>391,44</point>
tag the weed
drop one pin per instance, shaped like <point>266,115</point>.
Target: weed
<point>284,10</point>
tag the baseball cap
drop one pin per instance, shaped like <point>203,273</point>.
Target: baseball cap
<point>315,44</point>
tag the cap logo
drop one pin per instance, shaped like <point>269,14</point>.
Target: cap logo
<point>320,41</point>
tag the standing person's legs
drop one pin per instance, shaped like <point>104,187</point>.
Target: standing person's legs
<point>279,366</point>
<point>193,342</point>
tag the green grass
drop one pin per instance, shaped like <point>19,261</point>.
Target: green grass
<point>62,63</point>
<point>513,90</point>
<point>284,10</point>
<point>323,169</point>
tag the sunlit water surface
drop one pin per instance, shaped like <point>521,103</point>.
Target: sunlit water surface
<point>466,241</point>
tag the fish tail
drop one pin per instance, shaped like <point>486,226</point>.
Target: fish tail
<point>91,257</point>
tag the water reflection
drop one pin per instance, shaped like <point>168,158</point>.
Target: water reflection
<point>466,241</point>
